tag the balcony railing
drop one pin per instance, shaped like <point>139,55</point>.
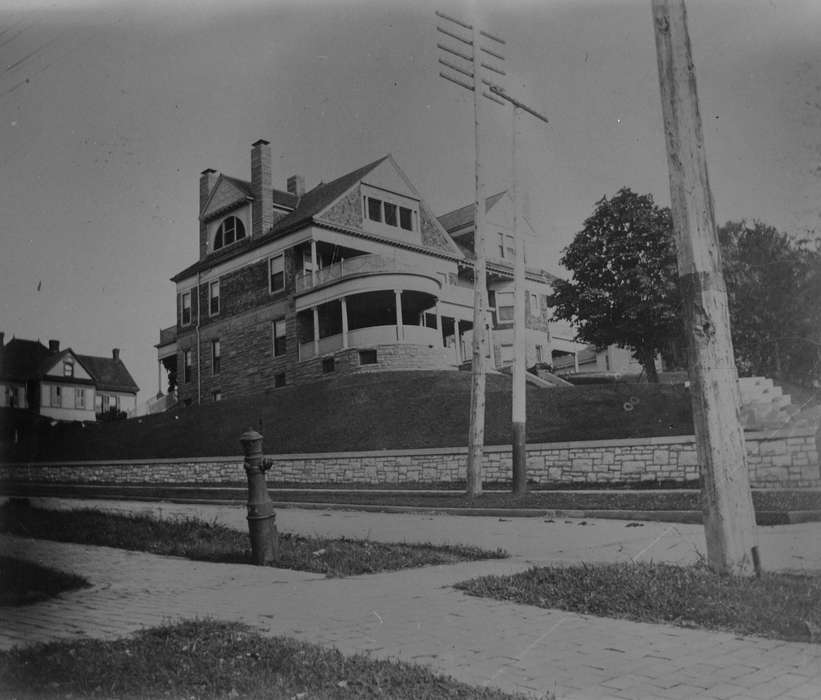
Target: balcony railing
<point>373,335</point>
<point>352,267</point>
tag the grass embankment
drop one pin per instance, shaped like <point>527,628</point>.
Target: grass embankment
<point>780,606</point>
<point>203,541</point>
<point>369,411</point>
<point>23,582</point>
<point>205,659</point>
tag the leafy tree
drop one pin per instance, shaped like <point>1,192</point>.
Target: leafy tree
<point>624,289</point>
<point>774,290</point>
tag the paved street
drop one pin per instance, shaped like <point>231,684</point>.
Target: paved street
<point>417,616</point>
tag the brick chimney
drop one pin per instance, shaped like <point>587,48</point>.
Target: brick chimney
<point>261,186</point>
<point>54,346</point>
<point>115,353</point>
<point>208,178</point>
<point>296,185</point>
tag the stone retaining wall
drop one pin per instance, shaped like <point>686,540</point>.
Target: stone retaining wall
<point>775,458</point>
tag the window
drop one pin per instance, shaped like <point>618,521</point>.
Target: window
<point>501,245</point>
<point>214,298</point>
<point>374,209</point>
<point>504,306</point>
<point>534,305</point>
<point>276,267</point>
<point>511,247</point>
<point>279,380</point>
<point>328,365</point>
<point>539,353</point>
<point>230,231</point>
<point>79,398</point>
<point>186,362</point>
<point>56,397</point>
<point>406,218</point>
<point>216,354</point>
<point>367,357</point>
<point>280,339</point>
<point>186,308</point>
<point>216,395</point>
<point>390,214</point>
<point>506,352</point>
<point>68,369</point>
<point>386,212</point>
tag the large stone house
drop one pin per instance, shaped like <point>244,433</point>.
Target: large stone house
<point>63,384</point>
<point>353,275</point>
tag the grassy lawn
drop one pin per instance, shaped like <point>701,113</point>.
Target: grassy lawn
<point>780,606</point>
<point>22,582</point>
<point>205,659</point>
<point>197,539</point>
<point>370,411</point>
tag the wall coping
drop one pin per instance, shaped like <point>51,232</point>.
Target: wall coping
<point>489,449</point>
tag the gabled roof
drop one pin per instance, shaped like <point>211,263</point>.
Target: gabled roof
<point>109,374</point>
<point>22,360</point>
<point>28,360</point>
<point>280,197</point>
<point>463,216</point>
<point>307,206</point>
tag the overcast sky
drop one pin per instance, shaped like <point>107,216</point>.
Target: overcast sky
<point>110,110</point>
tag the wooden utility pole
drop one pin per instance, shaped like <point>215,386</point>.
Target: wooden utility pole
<point>476,436</point>
<point>472,68</point>
<point>729,518</point>
<point>519,392</point>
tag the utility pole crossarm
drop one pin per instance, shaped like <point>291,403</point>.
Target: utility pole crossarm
<point>496,90</point>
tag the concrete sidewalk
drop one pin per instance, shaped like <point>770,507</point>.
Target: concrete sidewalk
<point>418,617</point>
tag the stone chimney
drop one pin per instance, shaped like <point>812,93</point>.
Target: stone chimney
<point>54,346</point>
<point>296,185</point>
<point>208,178</point>
<point>115,353</point>
<point>261,188</point>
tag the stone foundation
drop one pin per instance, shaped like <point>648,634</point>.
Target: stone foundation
<point>778,459</point>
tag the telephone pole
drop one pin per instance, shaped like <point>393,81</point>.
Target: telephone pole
<point>471,67</point>
<point>729,518</point>
<point>519,391</point>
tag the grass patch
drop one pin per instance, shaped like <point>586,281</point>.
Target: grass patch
<point>206,659</point>
<point>23,582</point>
<point>203,541</point>
<point>780,606</point>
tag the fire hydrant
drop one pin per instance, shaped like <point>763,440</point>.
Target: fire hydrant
<point>261,517</point>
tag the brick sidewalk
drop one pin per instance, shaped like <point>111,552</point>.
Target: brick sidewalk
<point>418,617</point>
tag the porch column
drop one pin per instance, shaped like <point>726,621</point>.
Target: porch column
<point>159,378</point>
<point>313,263</point>
<point>399,332</point>
<point>458,340</point>
<point>575,361</point>
<point>344,302</point>
<point>439,321</point>
<point>316,330</point>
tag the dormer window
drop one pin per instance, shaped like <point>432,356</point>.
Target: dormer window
<point>68,369</point>
<point>390,214</point>
<point>230,231</point>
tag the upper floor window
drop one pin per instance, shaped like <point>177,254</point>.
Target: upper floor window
<point>504,306</point>
<point>280,337</point>
<point>389,213</point>
<point>214,298</point>
<point>276,267</point>
<point>68,369</point>
<point>216,355</point>
<point>507,246</point>
<point>231,230</point>
<point>186,308</point>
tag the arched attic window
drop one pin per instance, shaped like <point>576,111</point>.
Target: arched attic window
<point>231,230</point>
